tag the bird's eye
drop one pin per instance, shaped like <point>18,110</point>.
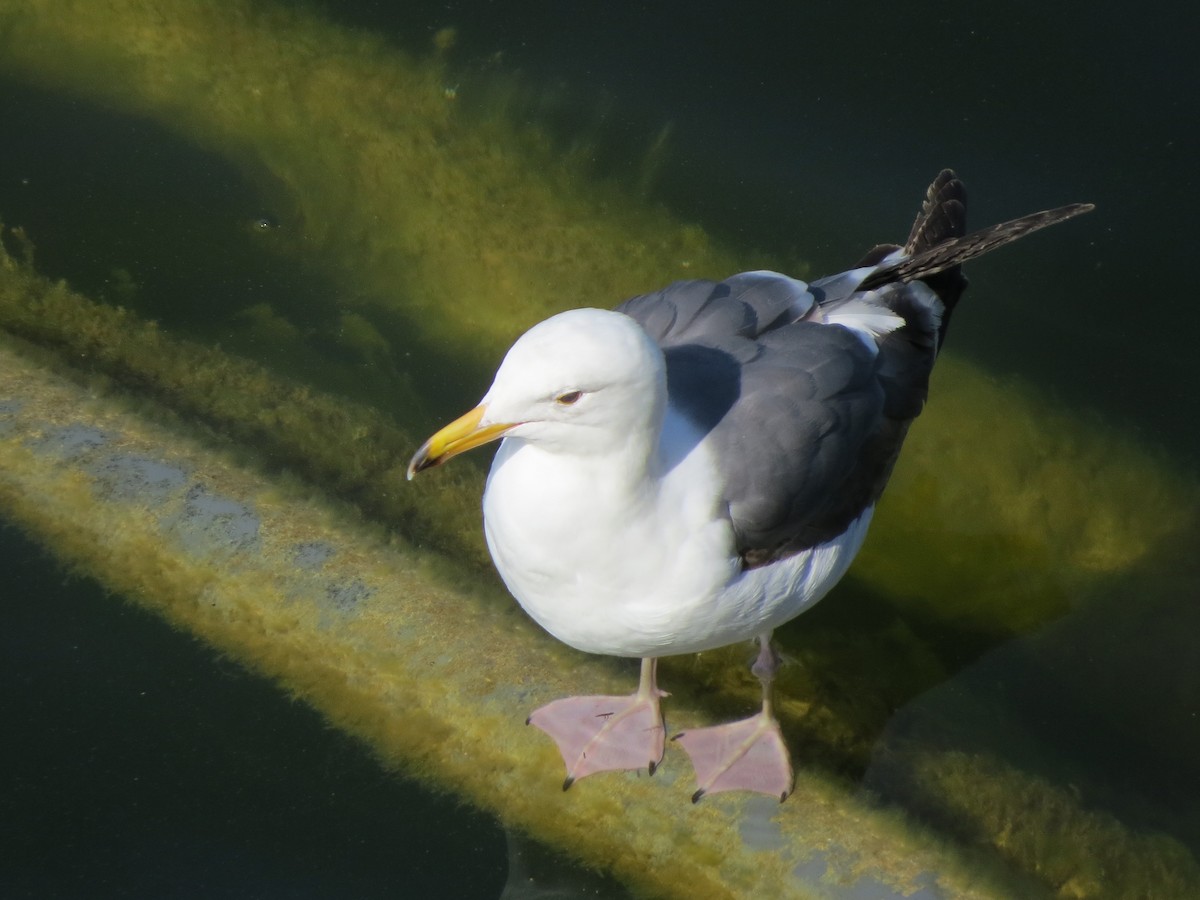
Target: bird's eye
<point>569,398</point>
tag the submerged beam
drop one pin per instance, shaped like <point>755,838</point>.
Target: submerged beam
<point>1003,514</point>
<point>435,668</point>
<point>434,674</point>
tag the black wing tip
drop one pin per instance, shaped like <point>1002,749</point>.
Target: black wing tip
<point>943,214</point>
<point>1070,211</point>
<point>952,250</point>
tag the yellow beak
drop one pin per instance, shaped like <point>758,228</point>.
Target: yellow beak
<point>459,436</point>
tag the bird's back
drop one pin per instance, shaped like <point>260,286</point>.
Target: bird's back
<point>805,391</point>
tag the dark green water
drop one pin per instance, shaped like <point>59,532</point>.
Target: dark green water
<point>790,114</point>
<point>139,763</point>
<point>142,765</point>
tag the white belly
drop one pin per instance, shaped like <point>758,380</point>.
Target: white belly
<point>648,571</point>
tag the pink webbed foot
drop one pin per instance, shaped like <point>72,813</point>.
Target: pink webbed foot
<point>599,734</point>
<point>749,755</point>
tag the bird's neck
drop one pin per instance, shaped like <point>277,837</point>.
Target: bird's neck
<point>623,469</point>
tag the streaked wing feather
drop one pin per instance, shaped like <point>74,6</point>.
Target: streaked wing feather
<point>958,250</point>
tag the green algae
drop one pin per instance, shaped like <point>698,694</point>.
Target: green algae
<point>466,229</point>
<point>454,232</point>
<point>852,673</point>
<point>1044,828</point>
<point>352,451</point>
<point>468,225</point>
<point>412,665</point>
<point>1042,747</point>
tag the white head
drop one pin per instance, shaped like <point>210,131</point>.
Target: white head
<point>580,382</point>
<point>586,381</point>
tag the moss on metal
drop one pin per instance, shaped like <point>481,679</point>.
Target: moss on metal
<point>1004,513</point>
<point>466,224</point>
<point>436,678</point>
<point>348,449</point>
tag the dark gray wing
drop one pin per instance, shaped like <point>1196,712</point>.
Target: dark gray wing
<point>796,411</point>
<point>806,420</point>
<point>794,446</point>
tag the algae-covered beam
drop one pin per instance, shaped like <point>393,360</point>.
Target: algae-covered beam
<point>435,679</point>
<point>347,448</point>
<point>470,230</point>
<point>435,671</point>
<point>467,226</point>
<point>1004,512</point>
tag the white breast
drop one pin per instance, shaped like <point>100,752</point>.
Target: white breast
<point>606,563</point>
<point>629,567</point>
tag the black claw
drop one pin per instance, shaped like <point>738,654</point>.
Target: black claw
<point>696,796</point>
<point>529,720</point>
<point>783,796</point>
<point>653,767</point>
<point>678,735</point>
<point>570,781</point>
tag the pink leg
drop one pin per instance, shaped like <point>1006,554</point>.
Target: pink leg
<point>749,755</point>
<point>596,734</point>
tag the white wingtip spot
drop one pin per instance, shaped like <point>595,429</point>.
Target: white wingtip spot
<point>863,315</point>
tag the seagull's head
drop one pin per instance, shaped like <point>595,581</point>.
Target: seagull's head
<point>586,381</point>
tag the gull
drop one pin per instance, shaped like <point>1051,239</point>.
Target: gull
<point>700,465</point>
